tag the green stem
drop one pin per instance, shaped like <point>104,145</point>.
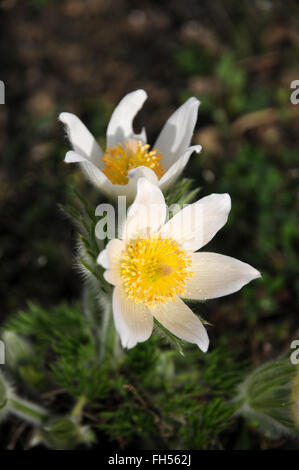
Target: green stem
<point>100,318</point>
<point>109,339</point>
<point>77,410</point>
<point>28,410</point>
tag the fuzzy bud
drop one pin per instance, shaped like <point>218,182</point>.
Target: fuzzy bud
<point>17,349</point>
<point>265,399</point>
<point>63,433</point>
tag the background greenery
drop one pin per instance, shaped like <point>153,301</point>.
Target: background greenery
<point>238,58</point>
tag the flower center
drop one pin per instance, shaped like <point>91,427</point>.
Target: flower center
<point>120,159</point>
<point>154,270</point>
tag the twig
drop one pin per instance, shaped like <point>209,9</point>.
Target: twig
<point>20,429</point>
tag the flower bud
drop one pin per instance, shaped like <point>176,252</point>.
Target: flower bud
<point>63,433</point>
<point>17,349</point>
<point>265,399</point>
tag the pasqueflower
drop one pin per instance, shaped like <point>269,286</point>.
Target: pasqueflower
<point>128,156</point>
<point>154,265</point>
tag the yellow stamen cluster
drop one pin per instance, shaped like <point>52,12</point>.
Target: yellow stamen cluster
<point>154,270</point>
<point>119,160</point>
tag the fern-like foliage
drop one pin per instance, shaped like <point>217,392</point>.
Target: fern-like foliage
<point>151,397</point>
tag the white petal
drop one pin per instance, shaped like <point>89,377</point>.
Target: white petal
<point>120,127</point>
<point>112,276</point>
<point>129,190</point>
<point>97,177</point>
<point>177,168</point>
<point>180,320</point>
<point>148,211</point>
<point>109,259</point>
<point>103,259</point>
<point>133,322</point>
<point>196,224</point>
<point>92,172</point>
<point>217,275</point>
<point>177,132</point>
<point>145,172</point>
<point>74,157</point>
<point>134,175</point>
<point>81,139</point>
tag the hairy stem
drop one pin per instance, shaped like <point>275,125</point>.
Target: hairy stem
<point>28,411</point>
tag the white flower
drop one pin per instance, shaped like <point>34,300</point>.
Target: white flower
<point>128,156</point>
<point>154,265</point>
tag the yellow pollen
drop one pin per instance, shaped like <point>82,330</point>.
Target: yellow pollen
<point>119,160</point>
<point>154,270</point>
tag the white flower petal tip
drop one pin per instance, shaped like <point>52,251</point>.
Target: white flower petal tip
<point>203,341</point>
<point>103,260</point>
<point>254,273</point>
<point>82,141</point>
<point>249,274</point>
<point>73,157</point>
<point>179,319</point>
<point>120,127</point>
<point>192,103</point>
<point>177,132</point>
<point>65,117</point>
<point>225,202</point>
<point>195,225</point>
<point>143,171</point>
<point>216,275</point>
<point>148,211</point>
<point>112,277</point>
<point>204,345</point>
<point>142,95</point>
<point>108,258</point>
<point>196,148</point>
<point>177,168</point>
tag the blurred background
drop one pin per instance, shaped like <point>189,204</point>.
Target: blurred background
<point>238,58</point>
